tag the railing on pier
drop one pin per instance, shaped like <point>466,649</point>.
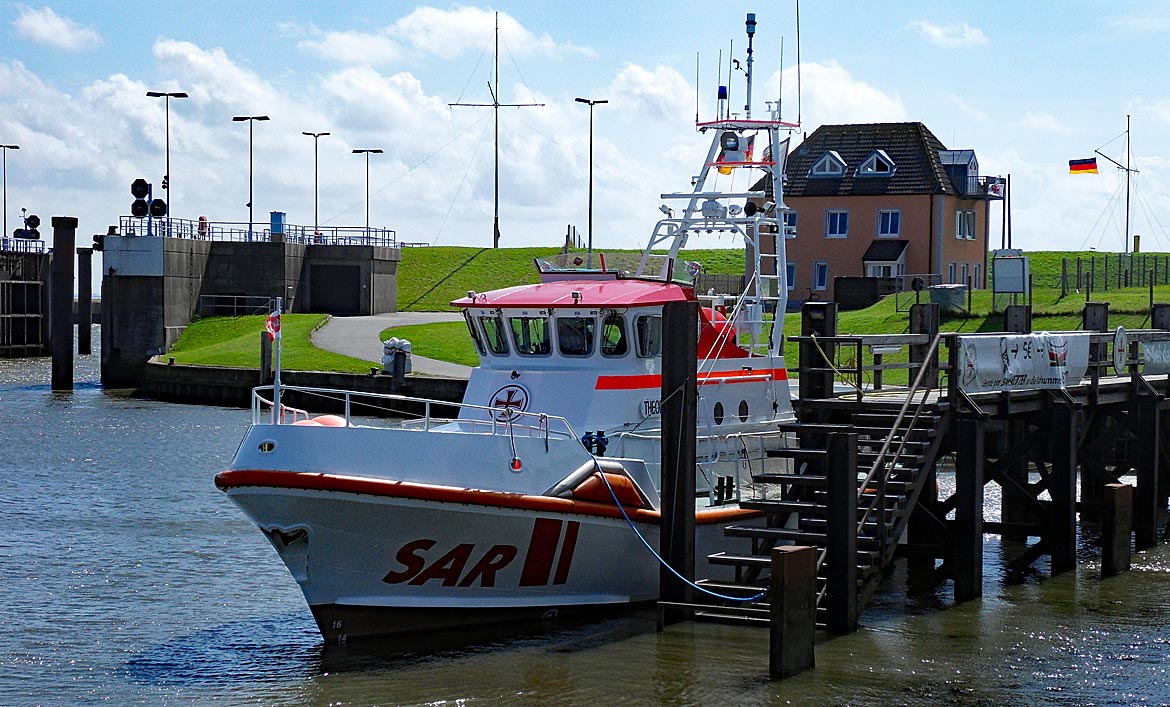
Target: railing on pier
<point>259,233</point>
<point>21,245</point>
<point>235,305</point>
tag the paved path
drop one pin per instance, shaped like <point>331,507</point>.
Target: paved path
<point>358,337</point>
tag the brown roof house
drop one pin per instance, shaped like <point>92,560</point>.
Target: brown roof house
<point>886,201</point>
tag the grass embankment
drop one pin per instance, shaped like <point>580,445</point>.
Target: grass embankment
<point>234,342</point>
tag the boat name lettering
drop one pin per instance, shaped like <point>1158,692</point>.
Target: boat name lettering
<point>650,408</point>
<point>417,568</point>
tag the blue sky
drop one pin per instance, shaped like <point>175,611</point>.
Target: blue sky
<point>1028,86</point>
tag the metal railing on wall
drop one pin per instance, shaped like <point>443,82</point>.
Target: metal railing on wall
<point>239,232</point>
<point>235,305</point>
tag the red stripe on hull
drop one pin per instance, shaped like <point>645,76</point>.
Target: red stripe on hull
<point>243,478</point>
<point>647,381</point>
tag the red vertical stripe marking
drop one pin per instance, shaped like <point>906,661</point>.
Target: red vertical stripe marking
<point>542,547</point>
<point>567,548</point>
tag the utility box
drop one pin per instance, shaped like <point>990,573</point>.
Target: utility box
<point>949,298</point>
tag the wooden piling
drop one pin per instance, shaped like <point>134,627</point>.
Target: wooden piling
<point>265,358</point>
<point>1062,522</point>
<point>61,298</point>
<point>969,477</point>
<point>1017,319</point>
<point>1116,529</point>
<point>84,301</point>
<point>817,319</point>
<point>679,396</point>
<point>841,540</point>
<point>924,319</point>
<point>792,635</point>
<point>1145,500</point>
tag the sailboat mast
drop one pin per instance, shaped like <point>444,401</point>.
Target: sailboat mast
<point>1128,172</point>
<point>496,109</point>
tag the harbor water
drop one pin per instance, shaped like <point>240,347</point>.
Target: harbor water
<point>126,578</point>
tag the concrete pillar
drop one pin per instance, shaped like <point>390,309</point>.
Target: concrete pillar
<point>1062,522</point>
<point>84,301</point>
<point>841,555</point>
<point>969,467</point>
<point>1116,529</point>
<point>64,236</point>
<point>817,319</point>
<point>678,395</point>
<point>794,610</point>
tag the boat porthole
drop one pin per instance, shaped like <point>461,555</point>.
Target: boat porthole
<point>743,411</point>
<point>267,446</point>
<point>718,413</point>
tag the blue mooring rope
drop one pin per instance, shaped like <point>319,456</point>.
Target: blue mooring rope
<point>717,595</point>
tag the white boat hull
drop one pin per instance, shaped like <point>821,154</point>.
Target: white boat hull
<point>378,558</point>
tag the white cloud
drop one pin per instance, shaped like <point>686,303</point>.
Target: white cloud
<point>952,36</point>
<point>833,96</point>
<point>1044,122</point>
<point>45,26</point>
<point>433,32</point>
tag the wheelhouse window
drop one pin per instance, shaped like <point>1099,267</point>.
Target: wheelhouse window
<point>575,335</point>
<point>965,225</point>
<point>649,335</point>
<point>613,335</point>
<point>493,334</point>
<point>889,223</point>
<point>836,223</point>
<point>475,335</point>
<point>530,335</point>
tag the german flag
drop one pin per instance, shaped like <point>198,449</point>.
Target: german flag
<point>1088,166</point>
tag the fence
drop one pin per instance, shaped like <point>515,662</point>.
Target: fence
<point>262,232</point>
<point>1108,271</point>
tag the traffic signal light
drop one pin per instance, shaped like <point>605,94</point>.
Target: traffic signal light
<point>158,208</point>
<point>140,190</point>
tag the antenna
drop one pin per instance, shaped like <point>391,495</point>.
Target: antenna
<point>798,62</point>
<point>496,105</point>
<point>730,63</point>
<point>751,33</point>
<point>696,88</point>
<point>780,93</point>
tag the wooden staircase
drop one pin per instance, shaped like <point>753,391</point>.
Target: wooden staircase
<point>882,456</point>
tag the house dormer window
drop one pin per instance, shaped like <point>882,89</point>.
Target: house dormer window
<point>829,165</point>
<point>878,164</point>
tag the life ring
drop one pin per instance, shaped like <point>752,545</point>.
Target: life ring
<point>203,227</point>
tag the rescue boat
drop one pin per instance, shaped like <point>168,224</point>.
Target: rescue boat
<point>542,495</point>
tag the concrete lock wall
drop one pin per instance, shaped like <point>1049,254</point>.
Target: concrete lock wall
<point>152,287</point>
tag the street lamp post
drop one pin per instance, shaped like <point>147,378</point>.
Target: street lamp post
<point>367,152</point>
<point>591,103</point>
<point>251,119</point>
<point>315,136</point>
<point>5,149</point>
<point>167,96</point>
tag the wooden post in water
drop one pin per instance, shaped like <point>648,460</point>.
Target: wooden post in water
<point>1094,317</point>
<point>1145,501</point>
<point>61,299</point>
<point>968,557</point>
<point>265,358</point>
<point>84,301</point>
<point>1062,487</point>
<point>841,532</point>
<point>1116,529</point>
<point>679,395</point>
<point>794,610</point>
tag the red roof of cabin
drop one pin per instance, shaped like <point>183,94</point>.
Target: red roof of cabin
<point>594,293</point>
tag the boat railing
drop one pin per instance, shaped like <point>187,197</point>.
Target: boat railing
<point>491,420</point>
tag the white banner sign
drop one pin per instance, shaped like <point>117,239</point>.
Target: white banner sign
<point>1157,356</point>
<point>1022,361</point>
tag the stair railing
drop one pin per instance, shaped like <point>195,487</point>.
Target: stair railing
<point>876,506</point>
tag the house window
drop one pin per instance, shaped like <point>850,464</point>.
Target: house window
<point>877,164</point>
<point>836,223</point>
<point>880,269</point>
<point>889,223</point>
<point>965,225</point>
<point>829,165</point>
<point>820,275</point>
<point>951,273</point>
<point>790,223</point>
<point>790,271</point>
<point>978,282</point>
<point>964,270</point>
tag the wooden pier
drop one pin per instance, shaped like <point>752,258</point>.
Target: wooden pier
<point>859,484</point>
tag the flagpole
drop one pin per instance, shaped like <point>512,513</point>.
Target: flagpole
<point>276,376</point>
